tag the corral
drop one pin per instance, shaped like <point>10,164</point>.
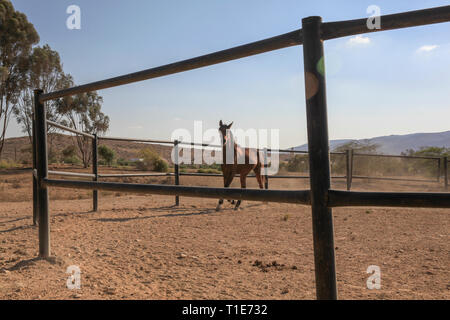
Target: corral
<point>321,196</point>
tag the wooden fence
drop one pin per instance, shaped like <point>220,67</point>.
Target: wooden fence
<point>349,164</point>
<point>320,196</point>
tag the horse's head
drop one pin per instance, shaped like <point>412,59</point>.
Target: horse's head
<point>224,132</point>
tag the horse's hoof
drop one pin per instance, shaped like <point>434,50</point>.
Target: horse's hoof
<point>218,208</point>
<point>237,208</point>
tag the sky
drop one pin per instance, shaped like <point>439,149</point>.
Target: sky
<point>392,82</point>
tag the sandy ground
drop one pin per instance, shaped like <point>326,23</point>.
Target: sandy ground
<point>141,247</point>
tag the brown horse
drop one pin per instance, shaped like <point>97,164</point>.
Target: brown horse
<point>249,159</point>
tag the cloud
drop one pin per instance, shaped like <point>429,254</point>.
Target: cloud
<point>358,40</point>
<point>427,48</point>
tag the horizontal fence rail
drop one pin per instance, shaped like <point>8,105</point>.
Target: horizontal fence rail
<point>332,30</point>
<point>299,197</point>
<point>336,198</point>
<point>60,126</point>
<point>72,174</point>
<point>396,156</point>
<point>339,198</point>
<point>131,175</point>
<point>136,140</point>
<point>392,179</point>
<point>279,42</point>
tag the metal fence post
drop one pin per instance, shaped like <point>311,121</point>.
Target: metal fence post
<point>266,171</point>
<point>348,162</point>
<point>95,171</point>
<point>42,172</point>
<point>319,158</point>
<point>177,170</point>
<point>34,173</point>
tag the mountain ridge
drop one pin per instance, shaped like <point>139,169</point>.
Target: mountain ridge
<point>395,143</point>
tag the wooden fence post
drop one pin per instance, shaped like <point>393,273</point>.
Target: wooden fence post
<point>319,158</point>
<point>439,170</point>
<point>352,165</point>
<point>34,172</point>
<point>446,172</point>
<point>266,170</point>
<point>95,171</point>
<point>177,170</point>
<point>42,173</point>
<point>349,162</point>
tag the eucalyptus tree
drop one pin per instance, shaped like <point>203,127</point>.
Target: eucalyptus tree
<point>82,112</point>
<point>44,72</point>
<point>17,37</point>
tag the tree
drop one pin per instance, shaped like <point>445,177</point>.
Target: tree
<point>45,72</point>
<point>106,154</point>
<point>17,36</point>
<point>428,152</point>
<point>299,163</point>
<point>83,113</point>
<point>425,167</point>
<point>363,146</point>
<point>361,165</point>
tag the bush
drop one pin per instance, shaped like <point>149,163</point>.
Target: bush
<point>52,156</point>
<point>151,161</point>
<point>106,154</point>
<point>123,162</point>
<point>72,160</point>
<point>160,165</point>
<point>4,164</point>
<point>69,151</point>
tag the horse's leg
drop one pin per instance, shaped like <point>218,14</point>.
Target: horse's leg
<point>243,186</point>
<point>227,179</point>
<point>261,178</point>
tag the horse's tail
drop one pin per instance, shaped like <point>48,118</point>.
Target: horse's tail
<point>260,168</point>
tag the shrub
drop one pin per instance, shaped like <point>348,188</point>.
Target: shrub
<point>106,154</point>
<point>69,151</point>
<point>161,165</point>
<point>5,164</point>
<point>52,156</point>
<point>72,160</point>
<point>151,161</point>
<point>123,162</point>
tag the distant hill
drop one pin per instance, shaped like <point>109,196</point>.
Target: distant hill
<point>395,144</point>
<point>19,149</point>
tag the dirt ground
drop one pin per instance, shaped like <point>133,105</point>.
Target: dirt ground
<point>142,247</point>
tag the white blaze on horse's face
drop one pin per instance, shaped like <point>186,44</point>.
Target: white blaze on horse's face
<point>225,131</point>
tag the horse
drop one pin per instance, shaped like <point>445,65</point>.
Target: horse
<point>243,168</point>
